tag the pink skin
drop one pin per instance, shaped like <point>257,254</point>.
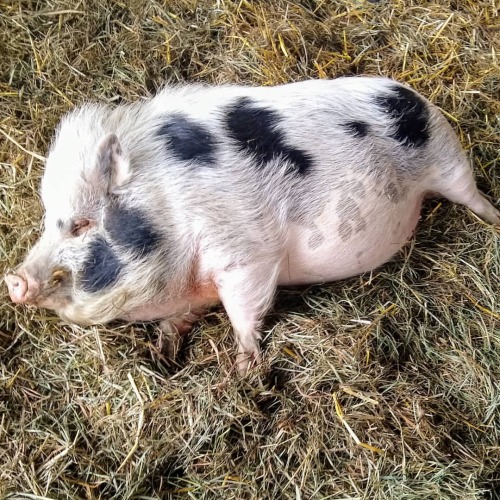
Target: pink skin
<point>18,288</point>
<point>22,288</point>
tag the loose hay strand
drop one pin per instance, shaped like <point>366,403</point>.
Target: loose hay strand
<point>140,423</point>
<point>22,148</point>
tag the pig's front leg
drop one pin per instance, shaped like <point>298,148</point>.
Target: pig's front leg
<point>247,294</point>
<point>172,331</point>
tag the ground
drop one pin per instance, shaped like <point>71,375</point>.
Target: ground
<point>381,386</point>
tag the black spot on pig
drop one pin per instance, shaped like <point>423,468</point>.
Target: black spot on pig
<point>357,129</point>
<point>392,192</point>
<point>409,114</point>
<point>187,140</point>
<point>359,225</point>
<point>315,240</point>
<point>130,229</point>
<point>59,224</point>
<point>101,267</point>
<point>256,132</point>
<point>347,208</point>
<point>345,230</point>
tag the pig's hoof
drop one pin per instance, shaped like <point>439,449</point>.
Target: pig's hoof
<point>169,340</point>
<point>247,360</point>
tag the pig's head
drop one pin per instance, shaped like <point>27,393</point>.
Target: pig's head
<point>73,268</point>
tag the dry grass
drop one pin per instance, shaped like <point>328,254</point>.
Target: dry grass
<point>382,386</point>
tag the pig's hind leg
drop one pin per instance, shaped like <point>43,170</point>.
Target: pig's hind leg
<point>247,293</point>
<point>458,185</point>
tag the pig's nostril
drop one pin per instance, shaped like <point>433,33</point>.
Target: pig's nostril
<point>12,280</point>
<point>18,287</point>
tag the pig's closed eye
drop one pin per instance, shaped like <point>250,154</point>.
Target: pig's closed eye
<point>81,226</point>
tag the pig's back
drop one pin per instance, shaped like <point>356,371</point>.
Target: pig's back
<point>305,133</point>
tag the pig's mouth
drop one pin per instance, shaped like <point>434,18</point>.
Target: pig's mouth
<point>50,294</point>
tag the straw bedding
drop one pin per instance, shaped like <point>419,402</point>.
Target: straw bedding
<point>381,386</point>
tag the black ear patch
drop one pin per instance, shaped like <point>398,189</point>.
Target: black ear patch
<point>256,132</point>
<point>187,140</point>
<point>409,114</point>
<point>131,229</point>
<point>357,128</point>
<point>101,267</point>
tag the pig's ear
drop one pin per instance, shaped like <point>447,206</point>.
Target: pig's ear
<point>112,166</point>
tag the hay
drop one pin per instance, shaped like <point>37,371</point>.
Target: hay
<point>381,386</point>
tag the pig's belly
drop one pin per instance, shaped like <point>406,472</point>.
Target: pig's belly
<point>333,249</point>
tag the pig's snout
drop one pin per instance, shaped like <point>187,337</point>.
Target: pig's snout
<point>23,289</point>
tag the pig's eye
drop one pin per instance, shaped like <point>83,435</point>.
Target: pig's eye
<point>81,226</point>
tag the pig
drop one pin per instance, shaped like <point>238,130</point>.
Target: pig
<point>160,209</point>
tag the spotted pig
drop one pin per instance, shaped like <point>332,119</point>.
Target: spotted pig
<point>160,209</point>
